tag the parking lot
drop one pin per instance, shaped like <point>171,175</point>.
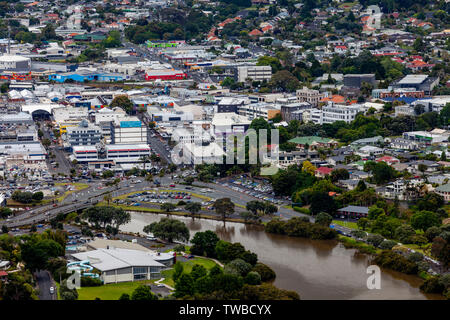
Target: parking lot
<point>259,189</point>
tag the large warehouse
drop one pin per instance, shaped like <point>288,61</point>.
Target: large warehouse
<point>124,265</point>
<point>15,63</point>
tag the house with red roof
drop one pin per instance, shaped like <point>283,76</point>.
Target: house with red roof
<point>340,49</point>
<point>255,33</point>
<point>388,159</point>
<point>322,172</point>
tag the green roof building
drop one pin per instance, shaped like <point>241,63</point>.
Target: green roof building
<point>314,141</point>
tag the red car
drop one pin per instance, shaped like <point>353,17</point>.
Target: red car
<point>55,204</point>
<point>172,186</point>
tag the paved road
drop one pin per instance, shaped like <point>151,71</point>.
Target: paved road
<point>45,281</point>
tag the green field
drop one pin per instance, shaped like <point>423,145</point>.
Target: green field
<point>111,291</point>
<point>351,225</point>
<point>167,274</point>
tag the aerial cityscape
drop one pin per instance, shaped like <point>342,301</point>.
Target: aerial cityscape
<point>237,150</point>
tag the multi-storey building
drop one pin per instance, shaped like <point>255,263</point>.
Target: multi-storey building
<point>308,95</point>
<point>128,130</point>
<point>85,134</point>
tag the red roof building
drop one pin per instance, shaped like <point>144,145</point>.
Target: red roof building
<point>388,159</point>
<point>322,172</point>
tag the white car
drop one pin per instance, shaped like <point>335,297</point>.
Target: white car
<point>52,290</point>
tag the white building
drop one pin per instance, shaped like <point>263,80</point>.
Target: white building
<point>198,154</point>
<point>255,73</point>
<point>128,130</point>
<point>335,112</point>
<point>123,153</point>
<point>122,265</point>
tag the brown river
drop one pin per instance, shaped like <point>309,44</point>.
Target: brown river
<point>315,269</point>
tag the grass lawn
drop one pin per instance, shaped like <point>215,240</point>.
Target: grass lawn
<point>111,291</point>
<point>187,267</point>
<point>351,225</point>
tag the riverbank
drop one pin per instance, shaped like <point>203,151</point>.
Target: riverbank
<point>337,272</point>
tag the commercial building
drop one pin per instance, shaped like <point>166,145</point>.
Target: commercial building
<point>85,154</point>
<point>231,104</point>
<point>426,137</point>
<point>168,74</point>
<point>128,130</point>
<point>85,134</point>
<point>14,63</point>
<point>123,265</point>
<point>356,80</point>
<point>255,73</point>
<point>123,153</point>
<point>288,110</point>
<point>419,82</point>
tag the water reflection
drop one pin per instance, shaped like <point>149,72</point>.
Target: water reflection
<point>314,269</point>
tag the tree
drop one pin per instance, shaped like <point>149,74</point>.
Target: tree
<point>35,252</point>
<point>46,142</point>
<point>204,243</point>
<point>363,223</point>
<point>404,233</point>
<point>324,219</point>
<point>123,102</point>
<point>423,220</point>
<point>375,239</point>
<point>254,206</point>
<point>193,208</point>
<point>168,229</point>
<point>198,271</point>
<point>224,207</point>
<point>184,286</point>
<point>284,80</point>
<point>124,296</point>
<point>177,270</point>
<point>143,293</point>
<point>107,197</point>
<point>266,273</point>
<point>238,267</point>
<point>5,212</point>
<point>269,208</point>
<point>322,201</point>
<point>308,167</point>
<point>168,207</point>
<point>253,278</point>
<point>269,61</point>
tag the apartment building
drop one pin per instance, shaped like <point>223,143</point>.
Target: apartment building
<point>335,112</point>
<point>255,73</point>
<point>308,95</point>
<point>258,110</point>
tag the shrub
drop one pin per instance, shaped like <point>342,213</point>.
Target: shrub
<point>395,261</point>
<point>387,244</point>
<point>375,239</point>
<point>253,278</point>
<point>266,273</point>
<point>90,282</point>
<point>241,267</point>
